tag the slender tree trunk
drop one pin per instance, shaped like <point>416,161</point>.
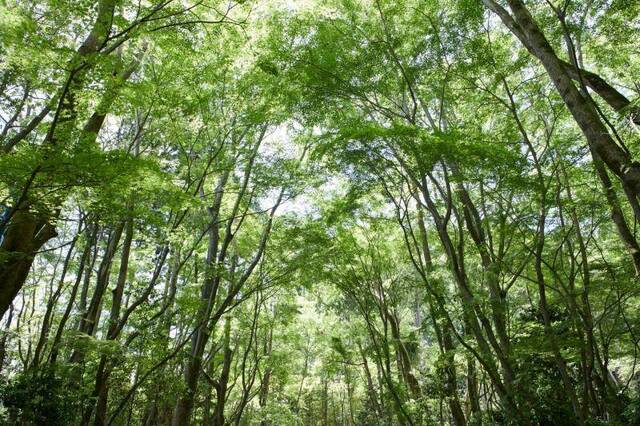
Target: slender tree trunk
<point>91,232</point>
<point>265,383</point>
<point>101,391</point>
<point>474,318</point>
<point>223,382</point>
<point>616,100</point>
<point>184,406</point>
<point>371,392</point>
<point>402,355</point>
<point>51,303</point>
<point>90,318</point>
<point>473,396</point>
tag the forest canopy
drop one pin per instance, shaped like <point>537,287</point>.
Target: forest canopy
<point>319,212</point>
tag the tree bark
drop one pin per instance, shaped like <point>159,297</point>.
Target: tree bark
<point>101,390</point>
<point>523,25</point>
<point>223,382</point>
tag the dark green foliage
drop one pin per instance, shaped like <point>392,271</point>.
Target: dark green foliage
<point>41,397</point>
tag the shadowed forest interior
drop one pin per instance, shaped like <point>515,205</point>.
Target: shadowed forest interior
<point>319,212</point>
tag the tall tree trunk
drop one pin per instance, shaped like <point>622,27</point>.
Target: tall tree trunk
<point>5,337</point>
<point>598,137</point>
<point>477,324</point>
<point>617,216</point>
<point>51,303</point>
<point>184,406</point>
<point>616,100</point>
<point>101,391</point>
<point>223,382</point>
<point>473,396</point>
<point>90,318</point>
<point>265,382</point>
<point>91,234</point>
<point>25,230</point>
<point>371,392</point>
<point>443,333</point>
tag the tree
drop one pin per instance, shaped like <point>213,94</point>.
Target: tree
<point>346,212</point>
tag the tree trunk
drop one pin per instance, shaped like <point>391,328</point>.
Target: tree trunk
<point>265,383</point>
<point>51,303</point>
<point>23,237</point>
<point>91,232</point>
<point>583,111</point>
<point>25,229</point>
<point>617,216</point>
<point>184,406</point>
<point>101,390</point>
<point>223,382</point>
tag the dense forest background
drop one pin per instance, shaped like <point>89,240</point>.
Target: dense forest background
<point>331,212</point>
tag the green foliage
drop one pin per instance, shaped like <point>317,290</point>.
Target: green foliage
<point>337,212</point>
<point>40,397</point>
